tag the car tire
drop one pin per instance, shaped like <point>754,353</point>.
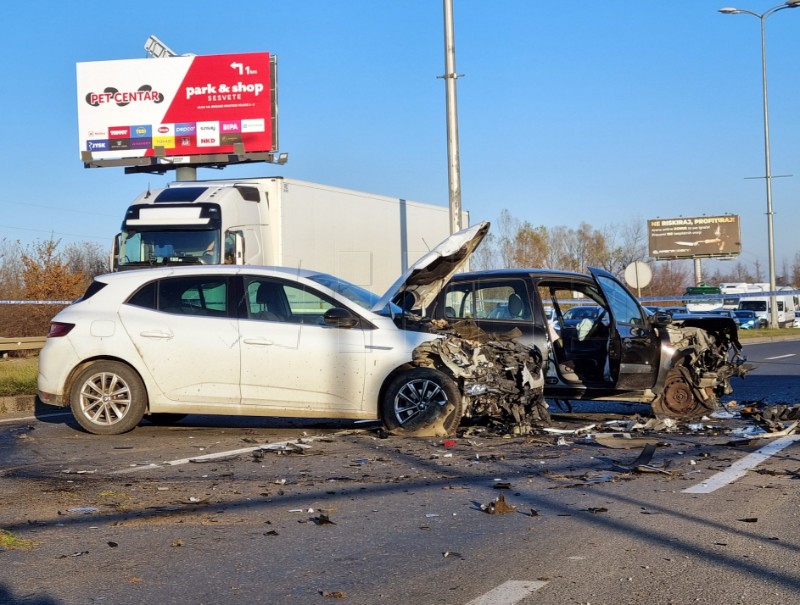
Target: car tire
<point>421,402</point>
<point>108,398</point>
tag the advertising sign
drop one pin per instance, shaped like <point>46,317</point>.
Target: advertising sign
<point>701,236</point>
<point>176,106</point>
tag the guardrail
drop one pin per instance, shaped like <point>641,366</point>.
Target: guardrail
<point>22,343</point>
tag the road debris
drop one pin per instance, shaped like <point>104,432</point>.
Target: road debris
<point>80,553</point>
<point>498,506</point>
<point>323,519</point>
<point>332,594</point>
<point>450,553</point>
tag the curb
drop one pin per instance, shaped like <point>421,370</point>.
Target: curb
<point>18,403</point>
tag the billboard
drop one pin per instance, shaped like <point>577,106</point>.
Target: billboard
<point>176,106</point>
<point>701,236</point>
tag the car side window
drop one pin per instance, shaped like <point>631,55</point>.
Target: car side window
<point>274,300</point>
<point>623,306</point>
<point>195,295</point>
<point>505,300</point>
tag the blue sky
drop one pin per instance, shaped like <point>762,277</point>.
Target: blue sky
<point>569,111</point>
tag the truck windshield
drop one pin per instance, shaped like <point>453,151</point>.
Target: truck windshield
<point>149,248</point>
<point>753,305</point>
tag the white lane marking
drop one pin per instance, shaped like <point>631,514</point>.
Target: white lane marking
<point>739,468</point>
<point>216,455</point>
<point>780,356</point>
<point>26,418</point>
<point>508,593</point>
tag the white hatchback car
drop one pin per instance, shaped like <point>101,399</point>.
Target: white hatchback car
<point>245,340</point>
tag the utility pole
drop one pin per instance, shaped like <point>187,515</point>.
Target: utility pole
<point>450,77</point>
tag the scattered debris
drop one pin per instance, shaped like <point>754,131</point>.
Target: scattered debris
<point>596,510</point>
<point>176,543</point>
<point>75,554</point>
<point>502,485</point>
<point>84,510</point>
<point>578,431</point>
<point>623,440</point>
<point>749,520</point>
<point>280,449</point>
<point>498,506</point>
<point>450,553</point>
<point>332,594</point>
<point>323,519</point>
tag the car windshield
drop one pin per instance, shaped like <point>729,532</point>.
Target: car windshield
<point>361,296</point>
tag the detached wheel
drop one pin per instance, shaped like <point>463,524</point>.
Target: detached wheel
<point>422,402</point>
<point>678,399</point>
<point>108,398</point>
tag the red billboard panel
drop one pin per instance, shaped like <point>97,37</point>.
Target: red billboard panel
<point>177,106</point>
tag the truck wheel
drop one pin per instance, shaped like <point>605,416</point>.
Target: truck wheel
<point>108,398</point>
<point>422,402</point>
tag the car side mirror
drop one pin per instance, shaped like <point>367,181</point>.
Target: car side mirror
<point>340,318</point>
<point>661,319</point>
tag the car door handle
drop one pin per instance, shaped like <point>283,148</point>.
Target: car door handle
<point>156,334</point>
<point>258,341</point>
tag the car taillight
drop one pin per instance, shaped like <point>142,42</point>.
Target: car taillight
<point>59,329</point>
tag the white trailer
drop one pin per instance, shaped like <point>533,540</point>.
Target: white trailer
<point>365,238</point>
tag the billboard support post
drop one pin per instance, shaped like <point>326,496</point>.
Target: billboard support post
<point>698,272</point>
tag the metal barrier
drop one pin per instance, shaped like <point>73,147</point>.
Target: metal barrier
<point>21,344</point>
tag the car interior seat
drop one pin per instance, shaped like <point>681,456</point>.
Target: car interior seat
<point>269,300</point>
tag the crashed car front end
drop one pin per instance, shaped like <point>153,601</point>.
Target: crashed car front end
<point>501,381</point>
<point>700,355</point>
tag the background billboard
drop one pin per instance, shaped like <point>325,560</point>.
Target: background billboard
<point>177,106</point>
<point>701,236</point>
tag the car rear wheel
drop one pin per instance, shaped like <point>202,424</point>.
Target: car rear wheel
<point>108,398</point>
<point>422,402</point>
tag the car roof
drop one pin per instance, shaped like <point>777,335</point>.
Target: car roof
<point>491,273</point>
<point>145,275</point>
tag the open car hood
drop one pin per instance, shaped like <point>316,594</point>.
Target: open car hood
<point>422,281</point>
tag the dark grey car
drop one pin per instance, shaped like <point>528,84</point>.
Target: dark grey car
<point>680,367</point>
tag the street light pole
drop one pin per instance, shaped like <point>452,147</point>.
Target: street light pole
<point>773,305</point>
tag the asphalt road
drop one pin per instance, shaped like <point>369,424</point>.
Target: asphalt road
<point>199,513</point>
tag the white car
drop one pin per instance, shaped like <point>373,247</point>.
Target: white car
<point>245,340</point>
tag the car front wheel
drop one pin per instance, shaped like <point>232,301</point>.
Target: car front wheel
<point>108,398</point>
<point>422,402</point>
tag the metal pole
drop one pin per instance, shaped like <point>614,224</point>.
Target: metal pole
<point>186,173</point>
<point>450,76</point>
<point>698,272</point>
<point>773,301</point>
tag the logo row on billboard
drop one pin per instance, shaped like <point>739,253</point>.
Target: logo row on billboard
<point>187,134</point>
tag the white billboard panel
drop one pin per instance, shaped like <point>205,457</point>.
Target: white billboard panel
<point>176,106</point>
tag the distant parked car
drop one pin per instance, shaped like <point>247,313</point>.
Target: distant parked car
<point>748,320</point>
